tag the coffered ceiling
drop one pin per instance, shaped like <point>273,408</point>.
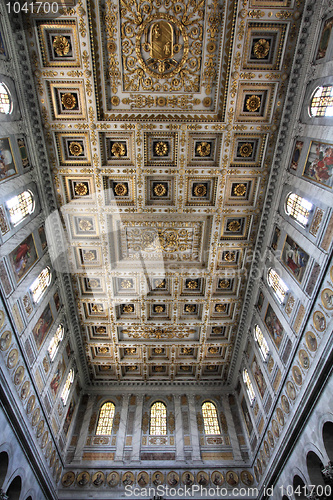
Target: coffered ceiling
<point>160,120</point>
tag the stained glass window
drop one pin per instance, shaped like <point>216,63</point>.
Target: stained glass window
<point>20,206</point>
<point>209,414</point>
<point>5,100</point>
<point>261,341</point>
<point>322,101</point>
<point>158,419</point>
<point>67,386</point>
<point>249,385</point>
<point>298,208</point>
<point>55,342</point>
<point>105,421</point>
<point>40,284</point>
<point>278,285</point>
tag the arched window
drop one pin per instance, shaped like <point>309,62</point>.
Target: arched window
<point>40,284</point>
<point>105,420</point>
<point>20,206</point>
<point>67,386</point>
<point>298,208</point>
<point>5,100</point>
<point>278,285</point>
<point>55,342</point>
<point>158,419</point>
<point>261,341</point>
<point>249,385</point>
<point>322,102</point>
<point>209,414</point>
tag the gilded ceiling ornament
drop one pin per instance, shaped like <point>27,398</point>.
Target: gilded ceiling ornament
<point>115,100</point>
<point>234,226</point>
<point>101,329</point>
<point>160,190</point>
<point>81,189</point>
<point>240,190</point>
<point>97,308</point>
<point>192,284</point>
<point>200,190</point>
<point>85,225</point>
<point>161,101</point>
<point>246,150</point>
<point>103,350</point>
<point>211,367</point>
<point>161,148</point>
<point>261,48</point>
<point>131,368</point>
<point>120,189</point>
<point>185,368</point>
<point>187,350</point>
<point>158,350</point>
<point>230,256</point>
<point>213,350</point>
<point>217,330</point>
<point>190,308</point>
<point>130,350</point>
<point>253,103</point>
<point>158,309</point>
<point>105,368</point>
<point>75,149</point>
<point>118,149</point>
<point>159,284</point>
<point>128,308</point>
<point>93,283</point>
<point>203,149</point>
<point>211,47</point>
<point>61,45</point>
<point>207,102</point>
<point>68,100</point>
<point>89,256</point>
<point>221,308</point>
<point>126,284</point>
<point>158,368</point>
<point>224,284</point>
<point>112,47</point>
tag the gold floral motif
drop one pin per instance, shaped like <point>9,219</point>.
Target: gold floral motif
<point>158,350</point>
<point>207,102</point>
<point>105,368</point>
<point>253,103</point>
<point>93,283</point>
<point>68,100</point>
<point>217,330</point>
<point>120,189</point>
<point>159,284</point>
<point>246,150</point>
<point>103,350</point>
<point>118,149</point>
<point>101,329</point>
<point>230,256</point>
<point>211,367</point>
<point>128,308</point>
<point>161,101</point>
<point>160,190</point>
<point>234,226</point>
<point>130,350</point>
<point>224,284</point>
<point>97,308</point>
<point>158,309</point>
<point>211,47</point>
<point>115,101</point>
<point>200,190</point>
<point>213,350</point>
<point>240,190</point>
<point>61,46</point>
<point>261,48</point>
<point>192,284</point>
<point>81,189</point>
<point>75,149</point>
<point>158,368</point>
<point>221,308</point>
<point>187,350</point>
<point>85,225</point>
<point>131,368</point>
<point>203,149</point>
<point>89,256</point>
<point>185,368</point>
<point>126,284</point>
<point>161,148</point>
<point>190,308</point>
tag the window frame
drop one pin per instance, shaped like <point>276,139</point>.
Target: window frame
<point>255,335</point>
<point>208,401</point>
<point>163,416</point>
<point>67,386</point>
<point>11,208</point>
<point>99,417</point>
<point>313,97</point>
<point>43,291</point>
<point>281,299</point>
<point>62,329</point>
<point>310,210</point>
<point>249,386</point>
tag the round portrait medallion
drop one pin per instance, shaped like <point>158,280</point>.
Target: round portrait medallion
<point>98,478</point>
<point>68,479</point>
<point>327,298</point>
<point>311,341</point>
<point>187,478</point>
<point>128,478</point>
<point>5,340</point>
<point>297,375</point>
<point>12,358</point>
<point>172,478</point>
<point>25,390</point>
<point>202,478</point>
<point>83,478</point>
<point>113,479</point>
<point>232,478</point>
<point>246,478</point>
<point>217,478</point>
<point>304,359</point>
<point>285,404</point>
<point>142,479</point>
<point>319,321</point>
<point>157,478</point>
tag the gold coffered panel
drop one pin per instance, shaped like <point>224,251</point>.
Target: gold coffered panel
<point>160,118</point>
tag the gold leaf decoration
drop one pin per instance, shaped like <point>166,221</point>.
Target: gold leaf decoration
<point>85,225</point>
<point>161,148</point>
<point>240,190</point>
<point>118,149</point>
<point>61,46</point>
<point>234,226</point>
<point>128,308</point>
<point>68,100</point>
<point>200,190</point>
<point>261,48</point>
<point>230,257</point>
<point>192,284</point>
<point>126,284</point>
<point>81,189</point>
<point>75,149</point>
<point>160,190</point>
<point>203,149</point>
<point>253,103</point>
<point>158,309</point>
<point>224,284</point>
<point>190,308</point>
<point>120,189</point>
<point>246,150</point>
<point>221,308</point>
